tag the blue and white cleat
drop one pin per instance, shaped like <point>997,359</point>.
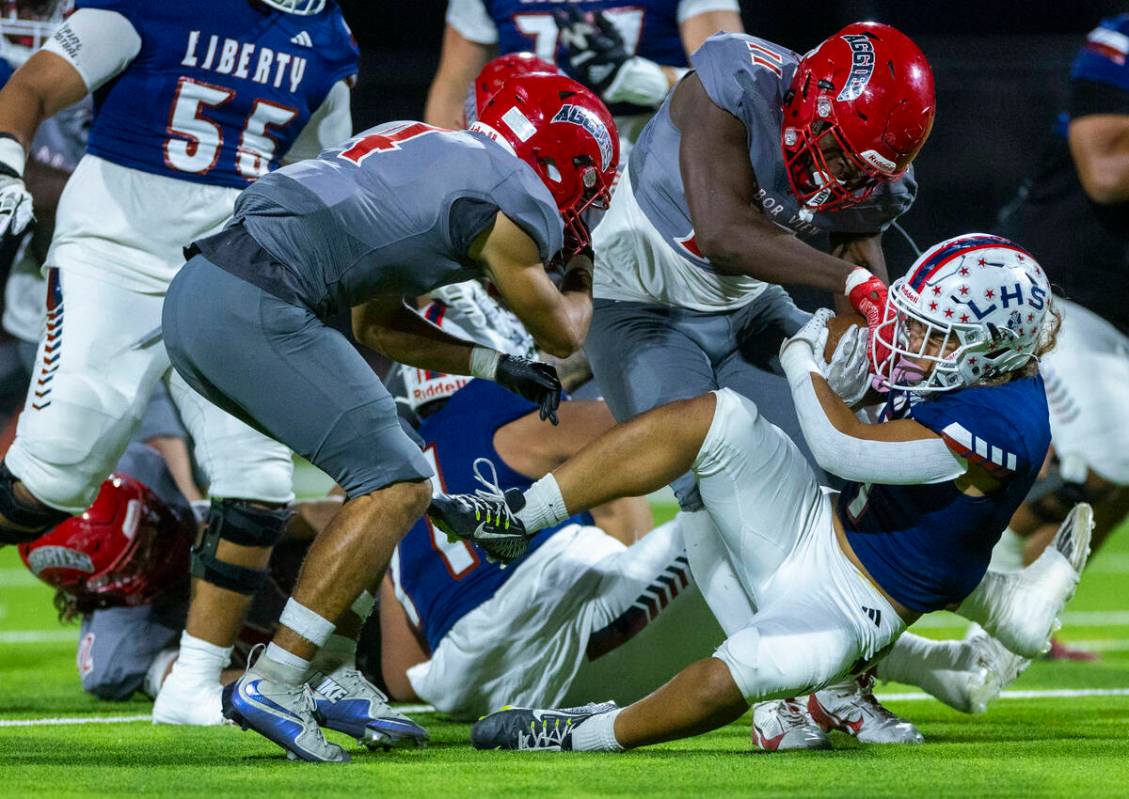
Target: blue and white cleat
<point>348,703</point>
<point>285,714</point>
<point>533,729</point>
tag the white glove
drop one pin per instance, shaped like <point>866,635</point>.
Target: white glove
<point>848,373</point>
<point>15,199</point>
<point>802,354</point>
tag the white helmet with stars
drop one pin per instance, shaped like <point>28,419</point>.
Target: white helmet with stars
<point>970,309</point>
<point>303,8</point>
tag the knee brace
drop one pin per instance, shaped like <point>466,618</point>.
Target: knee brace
<point>24,522</point>
<point>242,523</point>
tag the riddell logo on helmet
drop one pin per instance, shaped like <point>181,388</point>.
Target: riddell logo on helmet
<point>879,162</point>
<point>45,558</point>
<point>576,115</point>
<point>862,66</point>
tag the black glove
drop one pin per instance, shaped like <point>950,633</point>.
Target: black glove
<point>595,48</point>
<point>536,381</point>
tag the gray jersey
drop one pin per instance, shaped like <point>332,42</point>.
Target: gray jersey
<point>393,211</point>
<point>752,92</point>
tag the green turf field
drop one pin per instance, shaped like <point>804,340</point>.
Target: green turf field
<point>1049,741</point>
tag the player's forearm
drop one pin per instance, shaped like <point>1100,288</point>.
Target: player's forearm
<point>22,108</point>
<point>405,337</point>
<point>746,247</point>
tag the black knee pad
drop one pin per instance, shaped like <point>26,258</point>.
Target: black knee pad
<point>242,523</point>
<point>25,522</point>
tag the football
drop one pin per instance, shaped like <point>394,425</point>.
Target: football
<point>837,326</point>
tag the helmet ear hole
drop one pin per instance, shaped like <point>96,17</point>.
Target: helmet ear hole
<point>551,169</point>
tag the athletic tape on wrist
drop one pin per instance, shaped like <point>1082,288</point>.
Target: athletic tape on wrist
<point>484,363</point>
<point>363,605</point>
<point>856,278</point>
<point>306,623</point>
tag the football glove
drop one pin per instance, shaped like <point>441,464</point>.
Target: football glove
<point>596,51</point>
<point>867,294</point>
<point>848,372</point>
<point>15,199</point>
<point>534,380</point>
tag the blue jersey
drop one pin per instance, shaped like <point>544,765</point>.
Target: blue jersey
<point>928,546</point>
<point>219,90</point>
<point>445,581</point>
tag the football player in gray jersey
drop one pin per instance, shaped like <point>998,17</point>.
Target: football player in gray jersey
<point>757,158</point>
<point>397,211</point>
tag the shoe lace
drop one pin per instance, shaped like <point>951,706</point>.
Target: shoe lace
<point>490,499</point>
<point>545,732</point>
<point>792,713</point>
<point>866,698</point>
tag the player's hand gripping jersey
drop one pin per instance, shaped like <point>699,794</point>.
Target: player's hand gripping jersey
<point>747,77</point>
<point>393,210</point>
<point>212,93</point>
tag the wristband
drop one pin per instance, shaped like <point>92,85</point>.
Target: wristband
<point>12,154</point>
<point>856,278</point>
<point>484,362</point>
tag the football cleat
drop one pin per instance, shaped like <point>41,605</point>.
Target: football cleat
<point>183,699</point>
<point>532,729</point>
<point>850,707</point>
<point>484,517</point>
<point>285,714</point>
<point>995,667</point>
<point>349,703</point>
<point>785,724</point>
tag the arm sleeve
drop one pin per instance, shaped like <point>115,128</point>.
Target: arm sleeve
<point>471,20</point>
<point>692,8</point>
<point>862,460</point>
<point>99,44</point>
<point>331,124</point>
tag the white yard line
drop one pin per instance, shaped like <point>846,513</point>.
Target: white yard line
<point>38,636</point>
<point>1051,693</point>
<point>65,721</point>
<point>18,578</point>
<point>1071,618</point>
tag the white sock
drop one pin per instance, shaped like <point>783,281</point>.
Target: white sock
<point>914,655</point>
<point>544,505</point>
<point>1007,554</point>
<point>282,666</point>
<point>597,734</point>
<point>339,652</point>
<point>200,660</point>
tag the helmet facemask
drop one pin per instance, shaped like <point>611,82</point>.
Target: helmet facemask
<point>912,352</point>
<point>810,173</point>
<point>301,8</point>
<point>589,195</point>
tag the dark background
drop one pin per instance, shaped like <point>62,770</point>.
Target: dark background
<point>1001,71</point>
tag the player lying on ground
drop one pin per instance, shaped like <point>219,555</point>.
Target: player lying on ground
<point>459,631</point>
<point>806,591</point>
<point>399,210</point>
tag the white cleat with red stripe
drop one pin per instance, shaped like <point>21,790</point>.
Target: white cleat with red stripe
<point>785,724</point>
<point>850,707</point>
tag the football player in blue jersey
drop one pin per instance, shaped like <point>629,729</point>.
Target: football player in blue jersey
<point>193,102</point>
<point>631,65</point>
<point>1082,185</point>
<point>806,587</point>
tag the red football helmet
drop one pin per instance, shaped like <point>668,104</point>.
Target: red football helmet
<point>866,92</point>
<point>506,67</point>
<point>566,134</point>
<point>125,549</point>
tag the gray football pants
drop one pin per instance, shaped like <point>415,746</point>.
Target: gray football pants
<point>644,356</point>
<point>286,373</point>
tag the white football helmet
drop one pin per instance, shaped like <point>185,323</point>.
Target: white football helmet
<point>970,309</point>
<point>303,8</point>
<point>467,311</point>
<point>25,26</point>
